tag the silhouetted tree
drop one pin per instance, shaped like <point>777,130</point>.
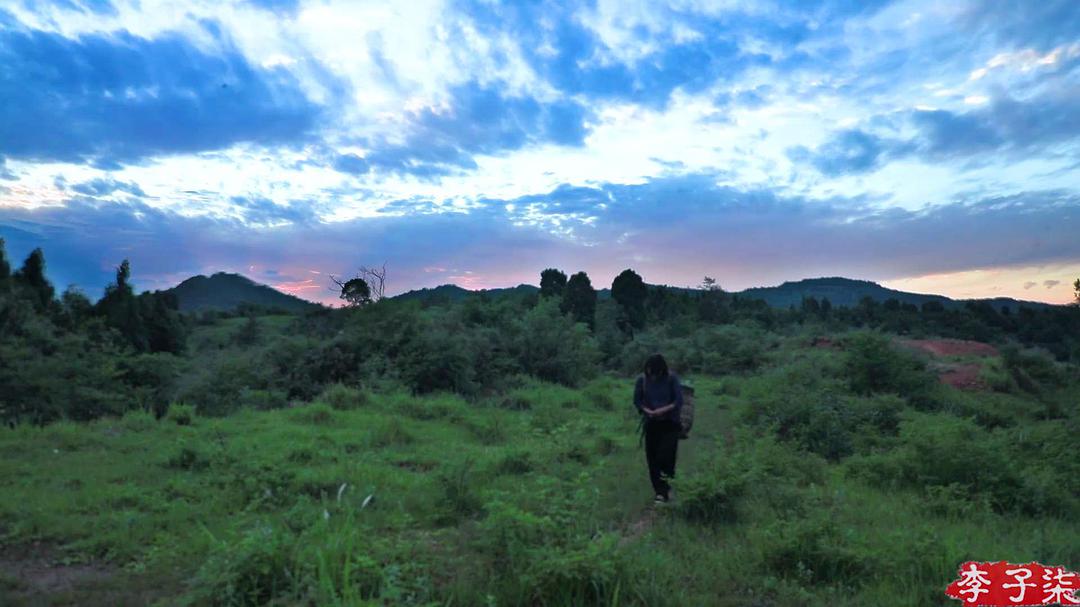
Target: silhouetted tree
<point>629,290</point>
<point>121,310</point>
<point>826,307</point>
<point>356,292</point>
<point>5,266</point>
<point>367,286</point>
<point>164,329</point>
<point>75,306</point>
<point>552,283</point>
<point>709,284</point>
<point>32,277</point>
<point>933,307</point>
<point>248,333</point>
<point>1076,290</point>
<point>579,299</point>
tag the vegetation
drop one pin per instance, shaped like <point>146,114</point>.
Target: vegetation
<point>483,451</point>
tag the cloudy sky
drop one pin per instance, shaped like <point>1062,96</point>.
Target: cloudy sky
<point>931,146</point>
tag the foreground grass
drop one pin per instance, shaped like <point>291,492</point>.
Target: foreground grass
<point>537,496</point>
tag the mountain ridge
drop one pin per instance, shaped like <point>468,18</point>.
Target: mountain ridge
<point>841,291</point>
<point>224,291</point>
<point>227,291</point>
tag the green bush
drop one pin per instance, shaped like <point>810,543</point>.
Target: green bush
<point>342,397</point>
<point>315,413</point>
<point>873,365</point>
<point>813,551</point>
<point>552,347</point>
<point>943,450</point>
<point>389,433</point>
<point>181,414</point>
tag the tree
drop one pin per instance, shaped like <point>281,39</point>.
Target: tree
<point>121,310</point>
<point>552,283</point>
<point>367,286</point>
<point>248,334</point>
<point>709,284</point>
<point>630,291</point>
<point>32,277</point>
<point>356,292</point>
<point>579,299</point>
<point>5,267</point>
<point>1076,290</point>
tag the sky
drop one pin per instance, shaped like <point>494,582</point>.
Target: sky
<point>929,146</point>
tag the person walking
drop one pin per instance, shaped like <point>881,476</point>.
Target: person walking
<point>658,397</point>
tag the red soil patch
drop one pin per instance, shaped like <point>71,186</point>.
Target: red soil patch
<point>824,342</point>
<point>951,347</point>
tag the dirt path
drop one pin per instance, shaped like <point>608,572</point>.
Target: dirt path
<point>37,574</point>
<point>714,423</point>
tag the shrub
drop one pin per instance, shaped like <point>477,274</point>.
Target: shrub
<point>181,414</point>
<point>515,462</point>
<point>551,346</point>
<point>943,450</point>
<point>315,413</point>
<point>873,365</point>
<point>457,483</point>
<point>262,400</point>
<point>599,392</point>
<point>812,551</point>
<point>188,458</point>
<point>342,397</point>
<point>390,432</point>
<point>254,570</point>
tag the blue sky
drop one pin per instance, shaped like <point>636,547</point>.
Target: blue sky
<point>930,146</point>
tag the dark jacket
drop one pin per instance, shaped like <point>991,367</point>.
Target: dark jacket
<point>659,393</point>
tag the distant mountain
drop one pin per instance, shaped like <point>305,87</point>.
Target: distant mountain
<point>224,291</point>
<point>452,293</point>
<point>847,292</point>
<point>841,292</point>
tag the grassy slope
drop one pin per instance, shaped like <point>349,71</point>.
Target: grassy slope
<point>538,496</point>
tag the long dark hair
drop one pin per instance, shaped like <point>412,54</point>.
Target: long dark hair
<point>655,366</point>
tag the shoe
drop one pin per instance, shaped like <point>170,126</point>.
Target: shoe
<point>660,499</point>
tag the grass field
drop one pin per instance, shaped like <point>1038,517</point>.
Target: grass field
<point>795,489</point>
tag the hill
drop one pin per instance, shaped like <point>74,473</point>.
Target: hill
<point>841,292</point>
<point>224,291</point>
<point>847,292</point>
<point>452,293</point>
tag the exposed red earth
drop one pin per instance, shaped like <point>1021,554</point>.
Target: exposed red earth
<point>964,376</point>
<point>951,347</point>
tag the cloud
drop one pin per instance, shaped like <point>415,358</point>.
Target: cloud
<point>1029,284</point>
<point>848,152</point>
<point>104,186</point>
<point>1042,25</point>
<point>643,55</point>
<point>259,210</point>
<point>673,230</point>
<point>1007,124</point>
<point>117,98</point>
<point>476,120</point>
<point>1050,284</point>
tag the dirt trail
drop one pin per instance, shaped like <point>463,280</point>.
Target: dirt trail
<point>705,430</point>
<point>38,574</point>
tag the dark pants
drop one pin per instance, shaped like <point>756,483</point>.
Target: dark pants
<point>661,446</point>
